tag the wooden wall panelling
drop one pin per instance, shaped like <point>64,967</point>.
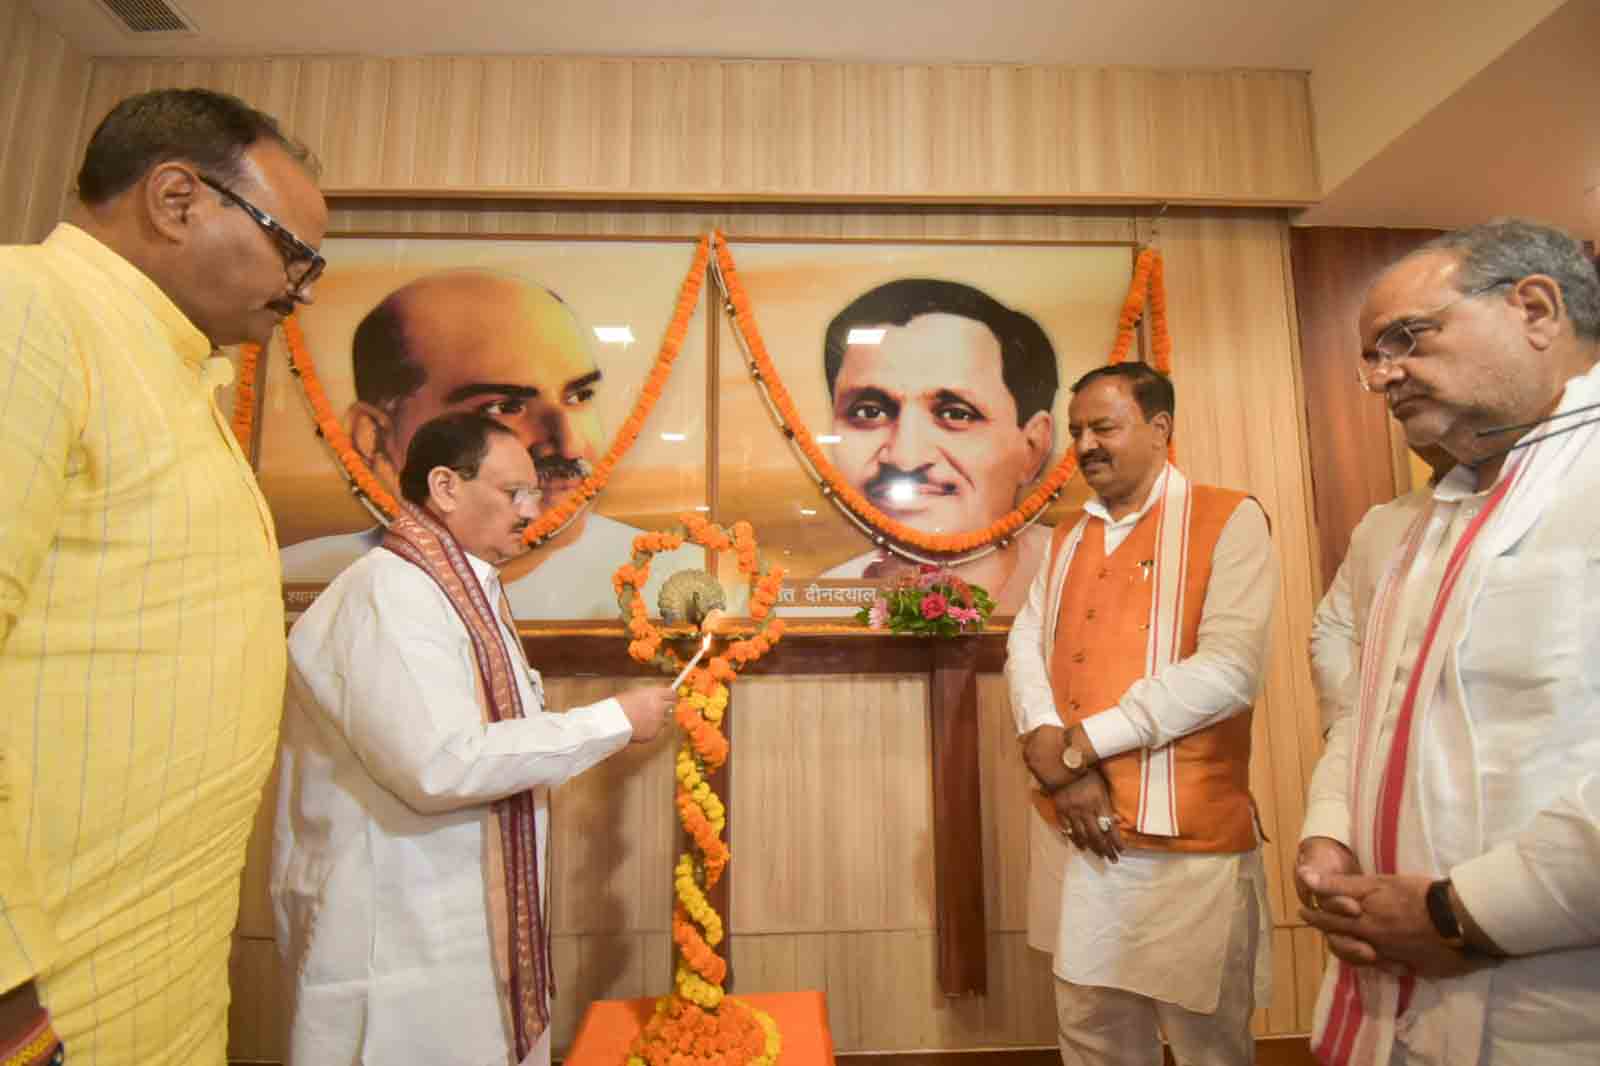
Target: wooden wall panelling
<point>612,833</point>
<point>1310,959</point>
<point>108,85</point>
<point>739,129</point>
<point>603,966</point>
<point>862,973</point>
<point>1280,1013</point>
<point>833,805</point>
<point>612,847</point>
<point>958,803</point>
<point>256,1010</point>
<point>1006,809</point>
<point>42,86</point>
<point>1238,426</point>
<point>365,215</point>
<point>361,124</point>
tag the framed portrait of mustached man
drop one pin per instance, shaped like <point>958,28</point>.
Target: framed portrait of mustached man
<point>935,379</point>
<point>933,375</point>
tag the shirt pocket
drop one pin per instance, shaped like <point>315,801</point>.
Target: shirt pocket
<point>1527,625</point>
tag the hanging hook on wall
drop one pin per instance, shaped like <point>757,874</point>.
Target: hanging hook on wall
<point>1155,223</point>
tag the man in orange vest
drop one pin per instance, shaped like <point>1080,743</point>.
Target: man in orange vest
<point>1132,668</point>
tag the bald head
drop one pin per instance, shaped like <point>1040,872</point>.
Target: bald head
<point>428,319</point>
<point>475,340</point>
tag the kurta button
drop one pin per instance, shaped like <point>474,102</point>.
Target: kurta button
<point>1072,706</point>
<point>1089,614</point>
<point>1104,573</point>
<point>1077,656</point>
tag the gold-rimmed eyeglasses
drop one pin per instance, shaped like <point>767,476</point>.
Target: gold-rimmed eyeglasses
<point>1399,339</point>
<point>520,495</point>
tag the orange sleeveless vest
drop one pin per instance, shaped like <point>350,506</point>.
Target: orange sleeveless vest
<point>1102,631</point>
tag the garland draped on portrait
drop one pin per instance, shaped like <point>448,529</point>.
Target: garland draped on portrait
<point>1146,300</point>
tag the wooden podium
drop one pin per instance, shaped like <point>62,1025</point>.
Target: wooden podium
<point>610,1026</point>
<point>952,665</point>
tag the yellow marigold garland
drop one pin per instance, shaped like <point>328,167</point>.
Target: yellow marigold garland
<point>696,1024</point>
<point>1147,284</point>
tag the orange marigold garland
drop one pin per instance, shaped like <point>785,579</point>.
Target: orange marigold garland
<point>554,519</point>
<point>1147,284</point>
<point>697,1023</point>
<point>244,396</point>
<point>681,1033</point>
<point>1149,276</point>
<point>366,484</point>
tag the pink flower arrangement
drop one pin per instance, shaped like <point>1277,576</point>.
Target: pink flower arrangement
<point>933,601</point>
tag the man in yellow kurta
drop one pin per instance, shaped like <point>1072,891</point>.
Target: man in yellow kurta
<point>141,626</point>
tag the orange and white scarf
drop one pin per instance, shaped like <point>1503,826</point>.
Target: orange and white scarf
<point>1158,792</point>
<point>518,925</point>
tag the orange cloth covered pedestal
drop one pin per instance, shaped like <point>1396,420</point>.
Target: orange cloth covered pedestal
<point>611,1025</point>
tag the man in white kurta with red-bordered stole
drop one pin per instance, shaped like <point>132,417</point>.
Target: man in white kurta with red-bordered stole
<point>1451,850</point>
<point>1338,627</point>
<point>1133,667</point>
<point>409,869</point>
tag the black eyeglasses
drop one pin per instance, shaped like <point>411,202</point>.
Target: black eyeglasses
<point>302,264</point>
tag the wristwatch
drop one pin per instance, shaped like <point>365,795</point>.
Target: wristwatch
<point>1073,759</point>
<point>1443,916</point>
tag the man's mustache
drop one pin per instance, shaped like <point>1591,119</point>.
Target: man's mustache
<point>559,468</point>
<point>1095,456</point>
<point>886,477</point>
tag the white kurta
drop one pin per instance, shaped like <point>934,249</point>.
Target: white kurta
<point>1504,778</point>
<point>387,773</point>
<point>1339,625</point>
<point>1117,925</point>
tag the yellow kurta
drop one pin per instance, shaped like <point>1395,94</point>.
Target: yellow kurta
<point>141,659</point>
